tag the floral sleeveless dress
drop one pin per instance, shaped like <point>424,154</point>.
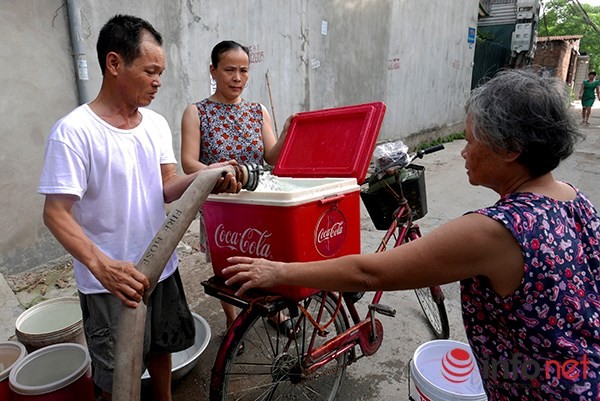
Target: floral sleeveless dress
<point>542,342</point>
<point>230,131</point>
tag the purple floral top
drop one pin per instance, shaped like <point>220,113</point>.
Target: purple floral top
<point>230,131</point>
<point>542,342</point>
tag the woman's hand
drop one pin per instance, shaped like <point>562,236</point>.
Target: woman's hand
<point>251,273</point>
<point>287,124</point>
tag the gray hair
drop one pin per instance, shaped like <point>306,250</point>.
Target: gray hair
<point>519,111</point>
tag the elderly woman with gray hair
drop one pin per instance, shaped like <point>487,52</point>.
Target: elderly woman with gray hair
<point>528,265</point>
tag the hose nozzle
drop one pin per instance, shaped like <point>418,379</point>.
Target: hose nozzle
<point>249,175</point>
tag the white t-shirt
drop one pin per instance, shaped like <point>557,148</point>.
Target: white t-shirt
<point>116,176</point>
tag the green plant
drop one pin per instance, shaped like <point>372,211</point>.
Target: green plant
<point>445,139</point>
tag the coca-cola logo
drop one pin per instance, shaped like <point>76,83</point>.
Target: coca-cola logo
<point>251,241</point>
<point>330,233</point>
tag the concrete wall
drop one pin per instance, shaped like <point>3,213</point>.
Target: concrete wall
<point>581,74</point>
<point>412,55</point>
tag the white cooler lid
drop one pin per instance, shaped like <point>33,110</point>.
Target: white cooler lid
<point>295,191</point>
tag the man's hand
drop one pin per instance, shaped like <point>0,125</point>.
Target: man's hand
<point>228,183</point>
<point>120,278</point>
<point>124,281</point>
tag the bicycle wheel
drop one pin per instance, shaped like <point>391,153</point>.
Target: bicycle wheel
<point>435,312</point>
<point>270,367</point>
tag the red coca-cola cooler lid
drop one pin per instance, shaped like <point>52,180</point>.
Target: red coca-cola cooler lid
<point>335,142</point>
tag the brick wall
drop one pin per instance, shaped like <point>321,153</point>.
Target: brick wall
<point>554,56</point>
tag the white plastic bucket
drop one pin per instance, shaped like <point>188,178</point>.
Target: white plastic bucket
<point>59,372</point>
<point>11,352</point>
<point>50,322</point>
<point>445,370</point>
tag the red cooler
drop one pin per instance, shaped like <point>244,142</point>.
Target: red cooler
<point>316,214</point>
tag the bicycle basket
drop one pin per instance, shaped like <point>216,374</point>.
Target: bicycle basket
<point>381,204</point>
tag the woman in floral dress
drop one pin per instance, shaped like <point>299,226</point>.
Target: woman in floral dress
<point>225,127</point>
<point>529,266</point>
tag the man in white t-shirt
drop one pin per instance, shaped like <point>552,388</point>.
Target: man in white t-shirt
<point>109,168</point>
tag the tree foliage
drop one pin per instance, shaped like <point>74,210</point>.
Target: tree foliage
<point>564,17</point>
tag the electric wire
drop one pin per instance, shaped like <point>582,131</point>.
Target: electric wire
<point>585,16</point>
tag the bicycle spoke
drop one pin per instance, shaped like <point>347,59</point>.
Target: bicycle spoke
<point>434,312</point>
<point>261,396</point>
<point>268,387</point>
<point>316,393</point>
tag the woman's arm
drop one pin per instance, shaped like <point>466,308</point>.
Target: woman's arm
<point>190,140</point>
<point>174,185</point>
<point>271,145</point>
<point>472,245</point>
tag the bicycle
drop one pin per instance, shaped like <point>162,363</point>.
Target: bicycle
<point>310,363</point>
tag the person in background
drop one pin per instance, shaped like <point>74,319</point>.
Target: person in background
<point>529,265</point>
<point>109,168</point>
<point>224,127</point>
<point>588,93</point>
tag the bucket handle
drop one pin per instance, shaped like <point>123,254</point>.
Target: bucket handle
<point>410,398</point>
<point>332,199</point>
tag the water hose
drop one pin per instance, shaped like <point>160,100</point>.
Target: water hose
<point>130,331</point>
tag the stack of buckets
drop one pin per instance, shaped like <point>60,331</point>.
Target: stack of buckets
<point>50,362</point>
<point>445,370</point>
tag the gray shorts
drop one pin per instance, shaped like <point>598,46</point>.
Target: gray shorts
<point>169,326</point>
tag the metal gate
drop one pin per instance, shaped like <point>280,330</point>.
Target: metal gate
<point>490,57</point>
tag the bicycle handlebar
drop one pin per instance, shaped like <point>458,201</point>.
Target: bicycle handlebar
<point>411,158</point>
<point>427,151</point>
